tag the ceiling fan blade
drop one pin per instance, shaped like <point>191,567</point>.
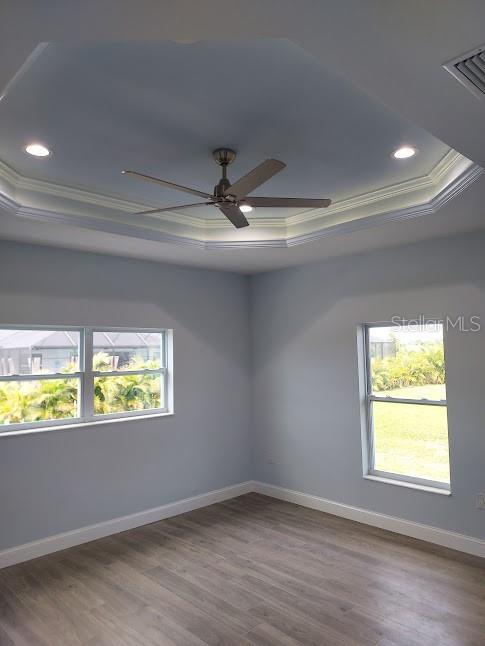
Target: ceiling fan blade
<point>163,182</point>
<point>288,202</point>
<point>235,215</point>
<point>255,178</point>
<point>173,208</point>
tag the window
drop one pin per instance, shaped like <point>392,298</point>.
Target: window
<point>61,376</point>
<point>128,371</point>
<point>405,402</point>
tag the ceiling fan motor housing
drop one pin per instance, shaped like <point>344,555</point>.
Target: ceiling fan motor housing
<point>221,187</point>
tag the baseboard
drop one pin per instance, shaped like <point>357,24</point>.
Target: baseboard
<point>427,533</point>
<point>57,542</point>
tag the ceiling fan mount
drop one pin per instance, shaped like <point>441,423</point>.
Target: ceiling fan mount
<point>233,200</point>
<point>224,156</point>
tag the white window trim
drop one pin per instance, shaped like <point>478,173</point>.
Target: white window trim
<point>429,488</point>
<point>368,398</point>
<point>86,375</point>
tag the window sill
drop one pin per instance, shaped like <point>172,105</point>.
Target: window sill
<point>65,427</point>
<point>409,485</point>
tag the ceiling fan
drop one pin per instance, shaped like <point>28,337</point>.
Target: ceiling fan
<point>232,199</point>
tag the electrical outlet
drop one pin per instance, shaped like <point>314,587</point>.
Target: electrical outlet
<point>480,500</point>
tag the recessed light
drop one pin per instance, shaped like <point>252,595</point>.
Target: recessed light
<point>244,207</point>
<point>404,152</point>
<point>37,150</point>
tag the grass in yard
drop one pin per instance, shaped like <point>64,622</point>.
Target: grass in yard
<point>411,439</point>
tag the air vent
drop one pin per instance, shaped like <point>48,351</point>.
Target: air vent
<point>469,70</point>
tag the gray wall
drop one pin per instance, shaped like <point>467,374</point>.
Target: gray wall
<point>305,378</point>
<point>56,481</point>
<point>305,427</point>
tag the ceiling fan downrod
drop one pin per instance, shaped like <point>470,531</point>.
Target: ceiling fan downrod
<point>223,157</point>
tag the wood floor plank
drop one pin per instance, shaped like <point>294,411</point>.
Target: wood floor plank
<point>251,571</point>
<point>268,635</point>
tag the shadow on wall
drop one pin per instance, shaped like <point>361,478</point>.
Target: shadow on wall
<point>292,300</point>
<point>126,292</point>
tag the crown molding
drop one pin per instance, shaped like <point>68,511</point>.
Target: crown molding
<point>52,203</point>
<point>420,210</point>
<point>21,183</point>
<point>72,197</point>
<point>452,164</point>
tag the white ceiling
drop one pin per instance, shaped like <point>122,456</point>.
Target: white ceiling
<point>162,107</point>
<point>392,54</point>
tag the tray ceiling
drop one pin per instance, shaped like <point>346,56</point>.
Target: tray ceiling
<point>162,107</point>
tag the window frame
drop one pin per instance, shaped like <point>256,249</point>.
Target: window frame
<point>369,398</point>
<point>86,375</point>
